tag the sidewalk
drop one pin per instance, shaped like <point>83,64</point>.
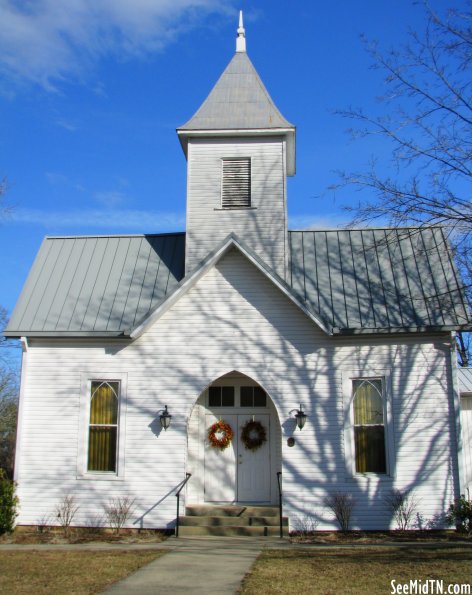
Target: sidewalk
<point>200,566</point>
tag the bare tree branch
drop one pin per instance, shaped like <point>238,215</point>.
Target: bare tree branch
<point>428,121</point>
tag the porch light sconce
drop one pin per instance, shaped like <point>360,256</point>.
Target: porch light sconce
<point>165,418</point>
<point>300,417</point>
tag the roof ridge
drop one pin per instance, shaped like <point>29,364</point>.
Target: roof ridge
<point>115,235</point>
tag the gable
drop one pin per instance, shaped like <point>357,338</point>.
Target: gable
<point>232,303</point>
<point>230,244</point>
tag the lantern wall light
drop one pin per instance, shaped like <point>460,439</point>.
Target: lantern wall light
<point>300,417</point>
<point>165,418</point>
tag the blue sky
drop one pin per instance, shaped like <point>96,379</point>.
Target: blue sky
<point>91,94</point>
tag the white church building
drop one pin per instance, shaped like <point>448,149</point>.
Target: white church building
<point>348,333</point>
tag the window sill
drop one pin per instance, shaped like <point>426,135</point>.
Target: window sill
<point>381,477</point>
<point>100,477</point>
<point>235,209</point>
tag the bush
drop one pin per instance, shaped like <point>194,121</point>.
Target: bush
<point>118,511</point>
<point>460,514</point>
<point>66,510</point>
<point>8,504</point>
<point>342,506</point>
<point>306,525</point>
<point>403,506</point>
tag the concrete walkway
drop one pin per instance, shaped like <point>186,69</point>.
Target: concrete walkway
<point>197,566</point>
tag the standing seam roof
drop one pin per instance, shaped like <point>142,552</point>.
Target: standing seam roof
<point>358,280</point>
<point>97,285</point>
<point>378,279</point>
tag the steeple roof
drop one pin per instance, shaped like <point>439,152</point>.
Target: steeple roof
<point>238,101</point>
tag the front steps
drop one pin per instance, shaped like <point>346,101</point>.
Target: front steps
<point>231,521</point>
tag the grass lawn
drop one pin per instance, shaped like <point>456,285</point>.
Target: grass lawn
<point>359,570</point>
<point>66,572</point>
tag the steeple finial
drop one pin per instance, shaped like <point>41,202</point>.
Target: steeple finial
<point>241,38</point>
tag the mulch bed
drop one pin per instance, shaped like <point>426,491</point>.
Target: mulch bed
<point>77,535</point>
<point>378,537</point>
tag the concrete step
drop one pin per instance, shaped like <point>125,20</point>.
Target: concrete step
<point>231,510</point>
<point>226,521</point>
<point>230,531</point>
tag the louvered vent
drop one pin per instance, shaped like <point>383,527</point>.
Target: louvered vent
<point>236,183</point>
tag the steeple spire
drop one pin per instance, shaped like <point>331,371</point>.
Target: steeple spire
<point>241,38</point>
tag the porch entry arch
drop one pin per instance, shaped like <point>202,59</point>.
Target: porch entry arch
<point>235,474</point>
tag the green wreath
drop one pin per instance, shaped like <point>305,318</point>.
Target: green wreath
<point>253,435</point>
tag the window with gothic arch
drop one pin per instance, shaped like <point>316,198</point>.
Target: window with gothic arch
<point>103,426</point>
<point>369,425</point>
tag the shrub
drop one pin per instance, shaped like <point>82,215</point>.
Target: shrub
<point>43,523</point>
<point>66,510</point>
<point>403,506</point>
<point>118,511</point>
<point>460,514</point>
<point>8,503</point>
<point>342,506</point>
<point>306,525</point>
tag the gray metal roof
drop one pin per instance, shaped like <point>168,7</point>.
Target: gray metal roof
<point>465,380</point>
<point>378,279</point>
<point>97,285</point>
<point>239,100</point>
<point>371,280</point>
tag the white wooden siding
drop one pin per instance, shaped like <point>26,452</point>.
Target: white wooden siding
<point>263,226</point>
<point>235,320</point>
<point>466,426</point>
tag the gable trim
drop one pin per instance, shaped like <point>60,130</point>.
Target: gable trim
<point>189,281</point>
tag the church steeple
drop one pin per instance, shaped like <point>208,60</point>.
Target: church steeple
<point>239,102</point>
<point>239,148</point>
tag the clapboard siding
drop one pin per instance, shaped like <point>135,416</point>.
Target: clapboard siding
<point>466,425</point>
<point>234,319</point>
<point>263,226</point>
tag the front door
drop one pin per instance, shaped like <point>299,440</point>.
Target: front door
<point>237,474</point>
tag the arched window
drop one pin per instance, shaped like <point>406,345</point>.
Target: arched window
<point>103,426</point>
<point>369,426</point>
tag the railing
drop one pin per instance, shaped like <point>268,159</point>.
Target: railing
<point>281,531</point>
<point>187,477</point>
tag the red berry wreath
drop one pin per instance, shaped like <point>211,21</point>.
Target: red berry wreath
<point>220,435</point>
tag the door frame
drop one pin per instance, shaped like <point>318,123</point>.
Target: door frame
<point>197,437</point>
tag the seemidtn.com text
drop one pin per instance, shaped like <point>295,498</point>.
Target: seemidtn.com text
<point>429,587</point>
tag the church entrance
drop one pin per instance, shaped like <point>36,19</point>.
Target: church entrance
<point>243,469</point>
<point>238,474</point>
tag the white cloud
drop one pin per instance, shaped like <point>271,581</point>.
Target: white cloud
<point>111,198</point>
<point>127,220</point>
<point>46,41</point>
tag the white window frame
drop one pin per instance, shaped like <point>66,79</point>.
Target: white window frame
<point>236,207</point>
<point>348,376</point>
<point>85,403</point>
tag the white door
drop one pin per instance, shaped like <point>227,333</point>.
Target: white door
<point>220,465</point>
<point>237,474</point>
<point>253,470</point>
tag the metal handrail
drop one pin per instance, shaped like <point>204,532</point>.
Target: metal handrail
<point>281,531</point>
<point>177,495</point>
